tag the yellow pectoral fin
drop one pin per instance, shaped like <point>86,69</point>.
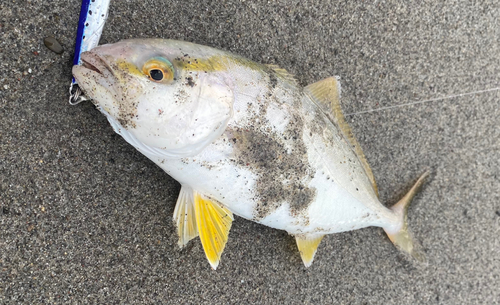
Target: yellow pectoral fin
<point>214,222</point>
<point>184,216</point>
<point>307,248</point>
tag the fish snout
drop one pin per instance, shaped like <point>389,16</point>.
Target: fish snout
<point>96,78</point>
<point>93,62</point>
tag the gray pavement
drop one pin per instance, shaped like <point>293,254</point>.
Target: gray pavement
<point>86,219</point>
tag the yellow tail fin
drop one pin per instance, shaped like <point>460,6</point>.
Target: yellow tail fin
<point>402,238</point>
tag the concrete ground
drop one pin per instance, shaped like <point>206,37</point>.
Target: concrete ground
<point>86,219</point>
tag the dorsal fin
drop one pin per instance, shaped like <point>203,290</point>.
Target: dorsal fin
<point>283,73</point>
<point>326,94</point>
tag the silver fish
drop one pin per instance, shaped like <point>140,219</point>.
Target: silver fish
<point>242,138</point>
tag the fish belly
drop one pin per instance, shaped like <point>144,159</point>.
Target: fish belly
<point>286,167</point>
<point>281,163</point>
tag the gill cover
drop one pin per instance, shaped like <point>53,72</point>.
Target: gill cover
<point>185,115</point>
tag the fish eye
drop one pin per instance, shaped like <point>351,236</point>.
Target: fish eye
<point>158,69</point>
<point>156,74</point>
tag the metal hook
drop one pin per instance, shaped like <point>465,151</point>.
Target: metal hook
<point>76,96</point>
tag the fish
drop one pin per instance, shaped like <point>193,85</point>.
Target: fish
<point>242,138</point>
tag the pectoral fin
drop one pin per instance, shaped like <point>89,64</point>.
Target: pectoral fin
<point>214,222</point>
<point>184,216</point>
<point>307,247</point>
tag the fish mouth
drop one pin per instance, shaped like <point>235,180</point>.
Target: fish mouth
<point>96,63</point>
<point>94,71</point>
<point>89,66</point>
<point>96,78</point>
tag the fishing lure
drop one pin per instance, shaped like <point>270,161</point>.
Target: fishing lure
<point>93,15</point>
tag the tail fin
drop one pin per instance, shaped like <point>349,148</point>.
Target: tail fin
<point>402,238</point>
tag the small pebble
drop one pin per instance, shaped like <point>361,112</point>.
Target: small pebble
<point>52,44</point>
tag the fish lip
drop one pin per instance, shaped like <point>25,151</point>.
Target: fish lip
<point>93,72</point>
<point>90,66</point>
<point>96,63</point>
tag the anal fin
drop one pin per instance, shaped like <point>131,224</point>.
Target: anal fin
<point>307,247</point>
<point>214,222</point>
<point>184,216</point>
<point>326,94</point>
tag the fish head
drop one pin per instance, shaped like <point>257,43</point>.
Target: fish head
<point>171,95</point>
